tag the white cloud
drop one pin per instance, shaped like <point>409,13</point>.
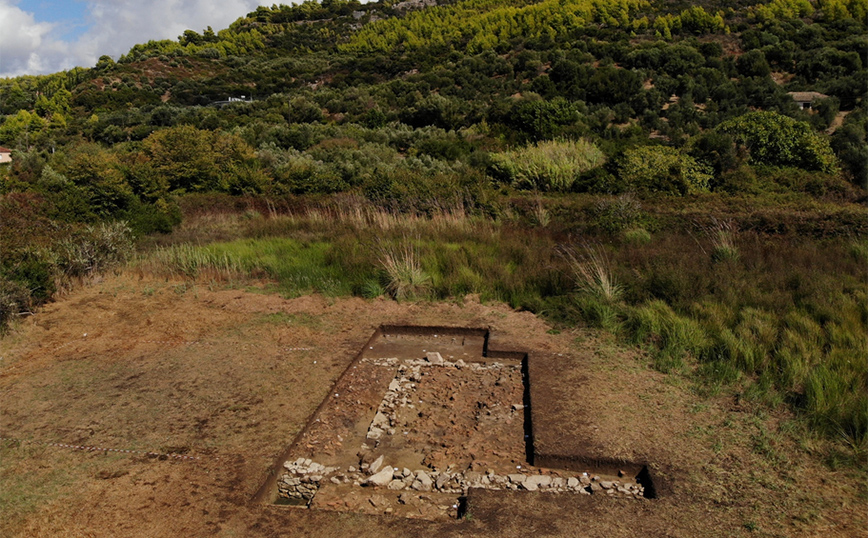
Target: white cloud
<point>24,42</point>
<point>27,46</point>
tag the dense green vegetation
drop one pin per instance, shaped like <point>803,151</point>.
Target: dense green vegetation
<point>632,165</point>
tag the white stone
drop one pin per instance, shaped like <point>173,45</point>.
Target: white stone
<point>434,358</point>
<point>540,480</point>
<point>383,478</point>
<point>423,481</point>
<point>380,421</point>
<point>375,466</point>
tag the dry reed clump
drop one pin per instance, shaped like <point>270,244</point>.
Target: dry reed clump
<point>407,279</point>
<point>361,216</point>
<point>592,273</point>
<point>723,245</point>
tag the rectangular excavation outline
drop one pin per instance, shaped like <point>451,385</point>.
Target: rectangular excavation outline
<point>637,481</point>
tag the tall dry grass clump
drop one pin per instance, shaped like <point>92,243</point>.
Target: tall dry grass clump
<point>598,293</point>
<point>723,245</point>
<point>592,272</point>
<point>406,278</point>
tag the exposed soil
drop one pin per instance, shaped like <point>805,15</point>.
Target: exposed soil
<point>227,379</point>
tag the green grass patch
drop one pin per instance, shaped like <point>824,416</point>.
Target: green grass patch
<point>779,319</point>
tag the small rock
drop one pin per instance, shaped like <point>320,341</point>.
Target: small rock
<point>375,466</point>
<point>572,482</point>
<point>606,484</point>
<point>538,480</point>
<point>405,497</point>
<point>423,481</point>
<point>516,478</point>
<point>434,358</point>
<point>396,485</point>
<point>530,485</point>
<point>382,478</point>
<point>380,421</point>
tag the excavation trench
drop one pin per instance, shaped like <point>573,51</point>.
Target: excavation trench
<point>422,416</point>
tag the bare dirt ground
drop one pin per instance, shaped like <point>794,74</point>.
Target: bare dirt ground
<point>174,400</point>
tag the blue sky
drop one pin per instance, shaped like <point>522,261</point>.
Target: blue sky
<point>71,16</point>
<point>46,36</point>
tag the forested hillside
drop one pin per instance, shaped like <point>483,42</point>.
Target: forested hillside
<point>630,123</point>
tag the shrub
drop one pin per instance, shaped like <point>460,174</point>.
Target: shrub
<point>637,236</point>
<point>14,299</point>
<point>649,169</point>
<point>98,248</point>
<point>614,215</point>
<point>547,166</point>
<point>777,140</point>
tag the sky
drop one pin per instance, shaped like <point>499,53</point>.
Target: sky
<point>46,36</point>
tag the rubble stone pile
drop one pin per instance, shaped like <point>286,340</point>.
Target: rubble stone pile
<point>304,477</point>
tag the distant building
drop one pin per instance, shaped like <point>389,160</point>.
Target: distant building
<point>804,99</point>
<point>242,99</point>
<point>5,155</point>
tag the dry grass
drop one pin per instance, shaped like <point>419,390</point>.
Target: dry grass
<point>406,278</point>
<point>592,272</point>
<point>723,247</point>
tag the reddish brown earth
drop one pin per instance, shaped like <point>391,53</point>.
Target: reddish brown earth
<point>229,378</point>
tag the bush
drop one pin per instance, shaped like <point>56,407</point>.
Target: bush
<point>14,299</point>
<point>649,169</point>
<point>547,166</point>
<point>617,214</point>
<point>777,140</point>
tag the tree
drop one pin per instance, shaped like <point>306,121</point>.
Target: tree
<point>777,140</point>
<point>850,142</point>
<point>193,159</point>
<point>542,120</point>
